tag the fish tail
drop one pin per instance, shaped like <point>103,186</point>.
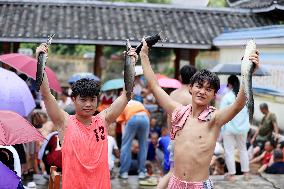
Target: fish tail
<point>250,106</point>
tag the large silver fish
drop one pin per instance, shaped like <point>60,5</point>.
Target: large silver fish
<point>41,62</point>
<point>129,72</point>
<point>247,68</point>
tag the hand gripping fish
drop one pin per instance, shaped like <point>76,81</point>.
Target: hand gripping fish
<point>41,62</point>
<point>247,69</point>
<point>129,72</point>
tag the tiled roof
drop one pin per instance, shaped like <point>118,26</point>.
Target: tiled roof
<point>93,22</point>
<point>258,5</point>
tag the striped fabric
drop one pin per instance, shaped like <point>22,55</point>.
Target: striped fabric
<point>176,183</point>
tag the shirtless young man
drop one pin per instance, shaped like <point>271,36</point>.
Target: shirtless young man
<point>183,97</point>
<point>83,136</point>
<point>195,127</point>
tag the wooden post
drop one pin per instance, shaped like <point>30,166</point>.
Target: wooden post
<point>177,62</point>
<point>97,61</point>
<point>6,47</point>
<point>15,47</point>
<point>192,56</point>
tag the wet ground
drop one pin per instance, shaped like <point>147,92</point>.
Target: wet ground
<point>264,181</point>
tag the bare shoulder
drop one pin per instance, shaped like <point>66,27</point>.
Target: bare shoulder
<point>181,96</point>
<point>214,118</point>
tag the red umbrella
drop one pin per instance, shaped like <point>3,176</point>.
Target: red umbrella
<point>167,82</point>
<point>14,129</point>
<point>28,66</point>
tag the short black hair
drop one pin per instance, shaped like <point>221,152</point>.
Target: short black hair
<point>6,157</point>
<point>85,88</point>
<point>186,72</point>
<point>235,82</point>
<point>263,105</point>
<point>205,75</point>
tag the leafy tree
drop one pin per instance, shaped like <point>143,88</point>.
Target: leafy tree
<point>217,3</point>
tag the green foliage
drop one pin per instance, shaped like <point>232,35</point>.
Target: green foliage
<point>111,50</point>
<point>60,49</point>
<point>217,3</point>
<point>159,1</point>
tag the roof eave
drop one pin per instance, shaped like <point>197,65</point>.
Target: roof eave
<point>241,42</point>
<point>267,9</point>
<point>106,42</point>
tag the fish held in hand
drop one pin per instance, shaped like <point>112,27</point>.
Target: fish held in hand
<point>247,69</point>
<point>152,40</point>
<point>129,72</point>
<point>41,62</point>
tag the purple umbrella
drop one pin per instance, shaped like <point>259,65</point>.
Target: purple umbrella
<point>8,179</point>
<point>15,94</point>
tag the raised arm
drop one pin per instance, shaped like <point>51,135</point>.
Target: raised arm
<point>224,115</point>
<point>117,107</point>
<point>161,96</point>
<point>57,115</point>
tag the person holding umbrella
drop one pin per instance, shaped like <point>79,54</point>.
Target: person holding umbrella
<point>83,136</point>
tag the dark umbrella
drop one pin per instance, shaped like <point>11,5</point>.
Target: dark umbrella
<point>8,179</point>
<point>235,69</point>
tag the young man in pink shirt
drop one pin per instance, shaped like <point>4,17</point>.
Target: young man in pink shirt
<point>195,127</point>
<point>83,136</point>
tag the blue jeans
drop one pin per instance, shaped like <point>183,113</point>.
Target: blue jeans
<point>137,125</point>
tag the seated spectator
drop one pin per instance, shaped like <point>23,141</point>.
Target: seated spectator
<point>50,152</point>
<point>278,166</point>
<point>133,170</point>
<point>264,157</point>
<point>219,166</point>
<point>154,128</point>
<point>163,144</point>
<point>152,145</point>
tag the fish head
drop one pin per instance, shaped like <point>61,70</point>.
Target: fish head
<point>250,48</point>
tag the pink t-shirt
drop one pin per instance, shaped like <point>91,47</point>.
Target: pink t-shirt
<point>85,155</point>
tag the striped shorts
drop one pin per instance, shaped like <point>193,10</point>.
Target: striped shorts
<point>176,183</point>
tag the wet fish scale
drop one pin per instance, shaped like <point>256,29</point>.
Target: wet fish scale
<point>129,72</point>
<point>247,68</point>
<point>42,58</point>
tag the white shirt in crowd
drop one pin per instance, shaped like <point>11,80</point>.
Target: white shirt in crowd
<point>111,146</point>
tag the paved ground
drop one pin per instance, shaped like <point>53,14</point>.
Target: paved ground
<point>256,182</point>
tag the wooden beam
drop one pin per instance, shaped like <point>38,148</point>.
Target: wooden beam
<point>177,62</point>
<point>192,56</point>
<point>97,61</point>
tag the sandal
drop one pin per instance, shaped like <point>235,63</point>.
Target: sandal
<point>149,182</point>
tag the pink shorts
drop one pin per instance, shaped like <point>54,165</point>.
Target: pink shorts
<point>177,183</point>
